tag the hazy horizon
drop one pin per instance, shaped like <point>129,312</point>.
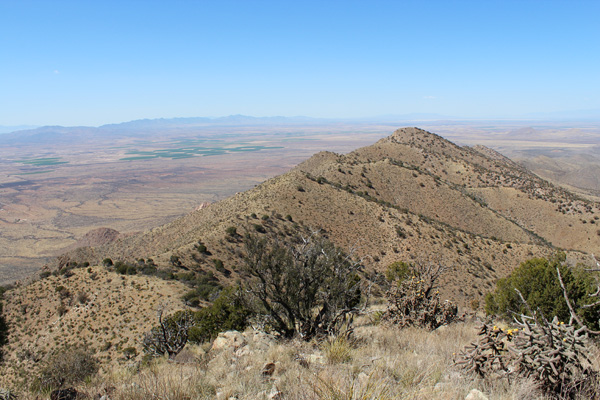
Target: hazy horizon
<point>578,116</point>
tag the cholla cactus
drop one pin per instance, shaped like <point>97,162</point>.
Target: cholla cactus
<point>6,394</point>
<point>487,357</point>
<point>416,302</point>
<point>552,353</point>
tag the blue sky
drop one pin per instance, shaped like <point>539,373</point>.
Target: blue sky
<point>96,62</point>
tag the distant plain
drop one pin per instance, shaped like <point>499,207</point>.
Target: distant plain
<point>54,192</point>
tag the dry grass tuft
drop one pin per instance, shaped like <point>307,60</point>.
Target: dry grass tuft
<point>337,350</point>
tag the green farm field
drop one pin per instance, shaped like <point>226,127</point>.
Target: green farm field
<point>52,193</point>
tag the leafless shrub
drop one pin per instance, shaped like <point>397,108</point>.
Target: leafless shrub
<point>416,301</point>
<point>170,335</point>
<point>67,367</point>
<point>310,288</point>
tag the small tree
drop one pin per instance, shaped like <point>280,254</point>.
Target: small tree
<point>537,279</point>
<point>309,288</point>
<point>171,334</point>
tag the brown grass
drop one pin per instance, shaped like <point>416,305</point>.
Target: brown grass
<point>383,363</point>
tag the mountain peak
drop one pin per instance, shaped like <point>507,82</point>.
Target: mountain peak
<point>415,136</point>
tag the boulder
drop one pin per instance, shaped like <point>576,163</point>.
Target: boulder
<point>228,340</point>
<point>187,356</point>
<point>475,394</point>
<point>259,341</point>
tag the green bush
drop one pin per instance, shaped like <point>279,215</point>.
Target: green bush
<point>259,228</point>
<point>175,261</point>
<point>201,247</point>
<point>228,312</point>
<point>121,267</point>
<point>205,286</point>
<point>399,271</point>
<point>148,269</point>
<point>221,268</point>
<point>130,352</point>
<point>45,274</point>
<point>401,232</point>
<point>538,281</point>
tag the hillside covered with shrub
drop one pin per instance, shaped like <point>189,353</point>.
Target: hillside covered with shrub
<point>347,277</point>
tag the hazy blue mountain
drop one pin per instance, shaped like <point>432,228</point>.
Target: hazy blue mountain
<point>8,129</point>
<point>593,114</point>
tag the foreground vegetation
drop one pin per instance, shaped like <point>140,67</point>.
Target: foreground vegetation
<point>300,326</point>
<point>378,362</point>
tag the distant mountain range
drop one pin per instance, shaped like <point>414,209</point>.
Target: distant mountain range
<point>52,134</point>
<point>8,129</point>
<point>239,120</point>
<point>592,114</point>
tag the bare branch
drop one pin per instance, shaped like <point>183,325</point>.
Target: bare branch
<point>572,311</point>
<point>597,264</point>
<point>525,302</point>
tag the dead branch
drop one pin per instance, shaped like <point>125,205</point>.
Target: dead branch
<point>571,310</point>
